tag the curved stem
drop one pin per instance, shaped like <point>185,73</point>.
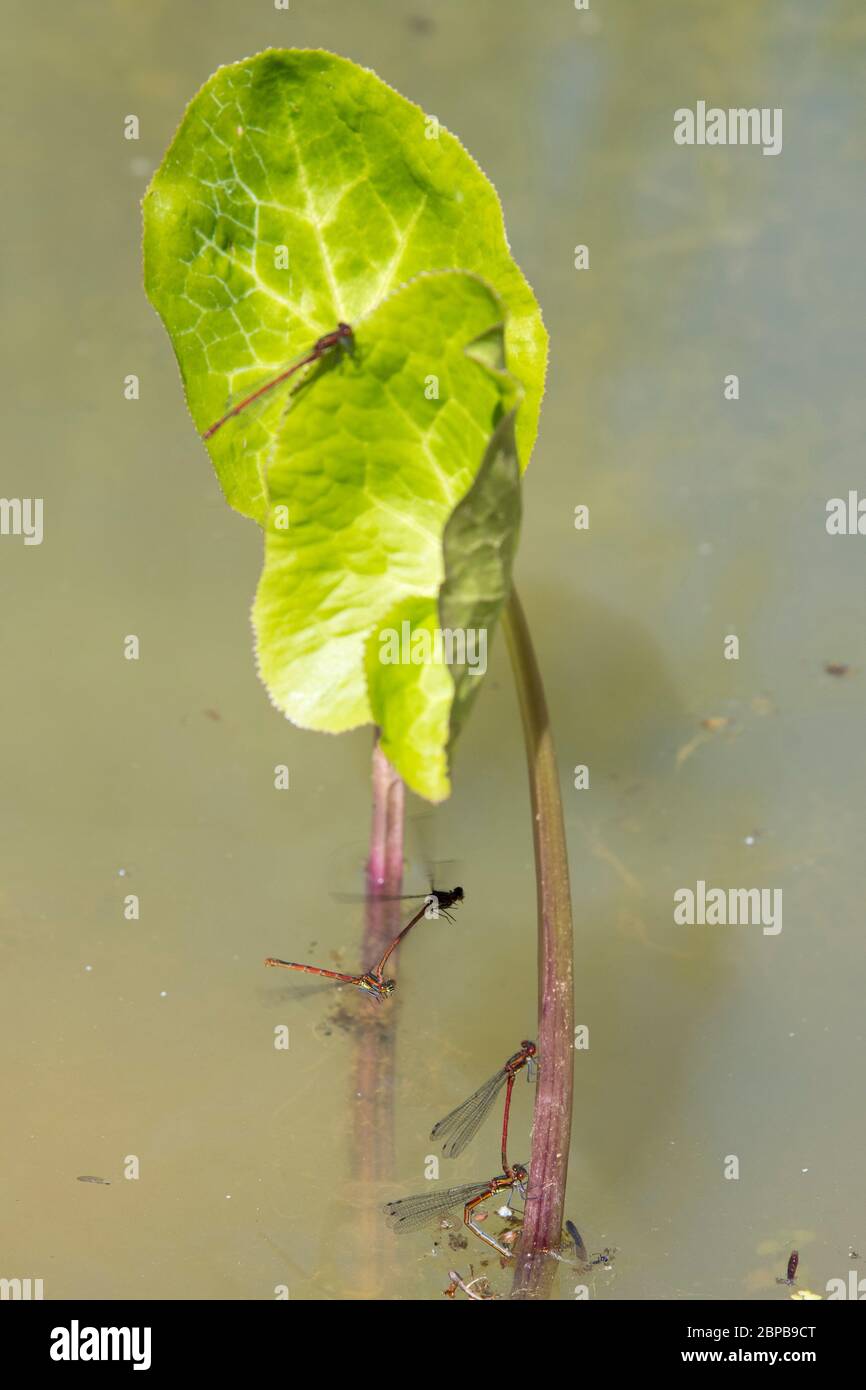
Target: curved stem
<point>551,1133</point>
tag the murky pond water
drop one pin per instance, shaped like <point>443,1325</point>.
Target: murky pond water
<point>153,1039</point>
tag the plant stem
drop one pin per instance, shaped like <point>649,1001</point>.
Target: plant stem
<point>373,1080</point>
<point>385,862</point>
<point>551,1132</point>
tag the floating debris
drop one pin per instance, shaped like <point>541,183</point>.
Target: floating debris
<point>837,668</point>
<point>714,724</point>
<point>457,1282</point>
<point>791,1276</point>
<point>104,1182</point>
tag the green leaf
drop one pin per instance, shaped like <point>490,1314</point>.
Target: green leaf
<point>421,707</point>
<point>412,701</point>
<point>479,546</point>
<point>306,151</point>
<point>374,459</point>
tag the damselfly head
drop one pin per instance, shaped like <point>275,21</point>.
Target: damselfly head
<point>447,897</point>
<point>521,1173</point>
<point>377,987</point>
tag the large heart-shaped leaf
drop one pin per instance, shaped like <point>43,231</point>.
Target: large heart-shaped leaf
<point>301,190</point>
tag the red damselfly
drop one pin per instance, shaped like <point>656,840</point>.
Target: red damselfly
<point>460,1127</point>
<point>324,344</point>
<point>413,1213</point>
<point>375,985</point>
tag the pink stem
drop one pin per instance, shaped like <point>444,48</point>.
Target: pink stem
<point>373,1081</point>
<point>551,1132</point>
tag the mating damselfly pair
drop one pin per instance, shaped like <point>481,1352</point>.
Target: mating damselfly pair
<point>373,982</point>
<point>458,1129</point>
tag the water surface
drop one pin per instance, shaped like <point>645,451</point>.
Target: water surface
<point>155,1038</point>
